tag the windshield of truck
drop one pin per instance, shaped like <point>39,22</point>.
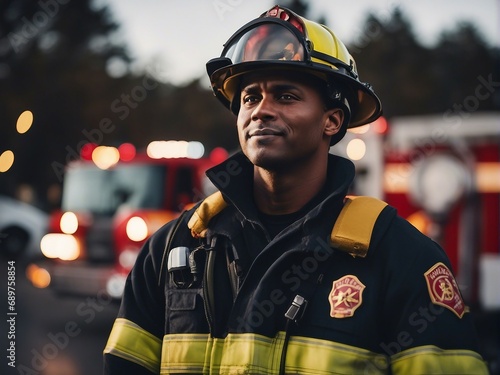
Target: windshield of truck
<point>88,188</point>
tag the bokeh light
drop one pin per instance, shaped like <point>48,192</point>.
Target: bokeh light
<point>6,160</point>
<point>69,223</point>
<point>127,151</point>
<point>87,150</point>
<point>360,129</point>
<point>137,229</point>
<point>175,149</point>
<point>24,122</point>
<point>105,157</point>
<point>356,149</point>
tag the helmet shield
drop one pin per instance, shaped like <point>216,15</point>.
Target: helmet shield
<point>269,41</point>
<point>284,41</point>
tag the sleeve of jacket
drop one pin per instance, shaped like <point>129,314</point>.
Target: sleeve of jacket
<point>134,344</point>
<point>429,329</point>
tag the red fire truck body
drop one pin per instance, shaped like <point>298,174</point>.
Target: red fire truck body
<point>442,173</point>
<point>106,216</point>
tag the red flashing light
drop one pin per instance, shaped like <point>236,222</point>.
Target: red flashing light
<point>218,155</point>
<point>86,151</point>
<point>127,151</point>
<point>380,125</point>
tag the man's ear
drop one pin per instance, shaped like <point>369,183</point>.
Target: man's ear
<point>334,120</point>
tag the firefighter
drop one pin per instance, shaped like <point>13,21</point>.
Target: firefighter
<point>279,272</point>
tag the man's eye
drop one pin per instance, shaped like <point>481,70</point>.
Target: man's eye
<point>249,99</point>
<point>287,97</point>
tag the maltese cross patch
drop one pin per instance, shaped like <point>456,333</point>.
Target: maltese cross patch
<point>346,296</point>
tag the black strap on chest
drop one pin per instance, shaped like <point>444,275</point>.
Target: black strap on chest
<point>168,246</point>
<point>297,308</point>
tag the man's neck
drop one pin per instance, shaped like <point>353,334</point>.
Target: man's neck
<point>279,193</point>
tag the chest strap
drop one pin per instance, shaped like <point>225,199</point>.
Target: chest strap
<point>351,233</point>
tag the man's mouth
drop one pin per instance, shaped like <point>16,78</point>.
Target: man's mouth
<point>264,132</point>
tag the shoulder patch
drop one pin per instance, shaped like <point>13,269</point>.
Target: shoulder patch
<point>354,226</point>
<point>443,289</point>
<point>210,207</point>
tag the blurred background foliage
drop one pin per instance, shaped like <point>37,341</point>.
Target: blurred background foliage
<point>64,66</point>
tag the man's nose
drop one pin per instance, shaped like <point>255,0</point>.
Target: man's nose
<point>265,110</point>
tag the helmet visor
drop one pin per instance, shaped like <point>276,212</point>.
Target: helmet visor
<point>268,41</point>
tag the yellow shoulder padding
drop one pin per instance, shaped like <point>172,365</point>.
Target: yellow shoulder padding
<point>354,226</point>
<point>210,207</point>
<point>351,233</point>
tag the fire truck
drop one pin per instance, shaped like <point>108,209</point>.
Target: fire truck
<point>112,200</point>
<point>442,173</point>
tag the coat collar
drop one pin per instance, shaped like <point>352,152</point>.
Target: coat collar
<point>234,179</point>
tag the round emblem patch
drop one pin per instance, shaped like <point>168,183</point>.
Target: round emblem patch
<point>443,289</point>
<point>346,296</point>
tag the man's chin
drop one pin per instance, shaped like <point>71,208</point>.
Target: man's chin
<point>267,160</point>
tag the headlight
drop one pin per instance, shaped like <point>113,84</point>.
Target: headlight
<point>115,285</point>
<point>58,245</point>
<point>127,258</point>
<point>69,223</point>
<point>137,229</point>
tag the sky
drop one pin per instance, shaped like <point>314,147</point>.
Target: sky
<point>172,40</point>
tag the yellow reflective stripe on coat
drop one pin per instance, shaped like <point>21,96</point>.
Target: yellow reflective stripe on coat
<point>184,353</point>
<point>129,341</point>
<point>433,360</point>
<point>250,353</point>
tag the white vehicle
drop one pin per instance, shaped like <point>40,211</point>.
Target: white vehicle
<point>21,228</point>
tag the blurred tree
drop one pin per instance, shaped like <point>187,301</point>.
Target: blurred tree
<point>188,112</point>
<point>412,79</point>
<point>389,57</point>
<point>62,61</point>
<point>463,61</point>
<point>298,6</point>
<point>54,57</point>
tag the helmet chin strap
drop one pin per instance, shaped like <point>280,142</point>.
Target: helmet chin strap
<point>235,103</point>
<point>336,98</point>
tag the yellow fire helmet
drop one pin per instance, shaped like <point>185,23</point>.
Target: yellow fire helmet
<point>282,40</point>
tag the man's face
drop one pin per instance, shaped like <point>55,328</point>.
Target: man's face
<point>283,121</point>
